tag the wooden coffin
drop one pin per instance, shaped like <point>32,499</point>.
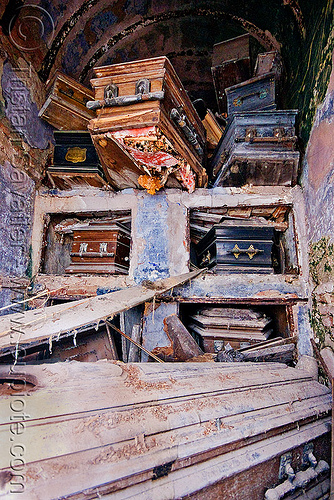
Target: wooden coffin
<point>231,64</point>
<point>75,161</point>
<point>237,246</point>
<point>268,62</point>
<point>258,93</point>
<point>232,49</point>
<point>146,128</point>
<point>228,74</point>
<point>65,107</point>
<point>100,248</point>
<point>258,148</point>
<point>151,430</point>
<point>216,327</point>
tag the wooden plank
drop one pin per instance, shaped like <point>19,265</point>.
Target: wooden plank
<point>277,354</point>
<point>54,320</point>
<point>111,342</point>
<point>134,354</point>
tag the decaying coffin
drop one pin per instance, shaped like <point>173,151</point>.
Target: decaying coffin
<point>268,62</point>
<point>227,74</point>
<point>146,127</point>
<point>75,161</point>
<point>231,64</point>
<point>173,430</point>
<point>216,327</point>
<point>259,148</point>
<point>100,248</point>
<point>237,246</point>
<point>255,94</point>
<point>65,107</point>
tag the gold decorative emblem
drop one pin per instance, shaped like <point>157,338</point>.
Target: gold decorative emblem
<point>206,259</point>
<point>76,155</point>
<point>251,251</point>
<point>236,251</point>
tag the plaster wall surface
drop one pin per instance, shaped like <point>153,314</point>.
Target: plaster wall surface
<point>318,187</point>
<point>16,201</point>
<point>318,170</point>
<point>160,236</point>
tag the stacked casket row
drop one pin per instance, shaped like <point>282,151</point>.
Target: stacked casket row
<point>214,327</point>
<point>258,146</point>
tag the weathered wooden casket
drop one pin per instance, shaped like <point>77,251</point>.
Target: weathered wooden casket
<point>147,132</point>
<point>237,246</point>
<point>268,62</point>
<point>75,161</point>
<point>258,94</point>
<point>259,148</point>
<point>231,64</point>
<point>162,431</point>
<point>65,108</point>
<point>100,248</point>
<point>214,327</point>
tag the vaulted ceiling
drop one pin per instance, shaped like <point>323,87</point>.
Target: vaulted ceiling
<point>76,35</point>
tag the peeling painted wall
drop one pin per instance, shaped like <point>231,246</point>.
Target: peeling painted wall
<point>318,186</point>
<point>17,193</point>
<point>24,147</point>
<point>21,111</point>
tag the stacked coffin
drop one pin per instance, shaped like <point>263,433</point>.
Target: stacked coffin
<point>214,327</point>
<point>237,246</point>
<point>166,431</point>
<point>147,132</point>
<point>231,65</point>
<point>99,247</point>
<point>258,146</point>
<point>65,107</point>
<point>75,161</point>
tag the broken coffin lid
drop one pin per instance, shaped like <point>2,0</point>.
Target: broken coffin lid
<point>237,246</point>
<point>100,248</point>
<point>258,148</point>
<point>147,132</point>
<point>75,160</point>
<point>169,430</point>
<point>258,93</point>
<point>65,108</point>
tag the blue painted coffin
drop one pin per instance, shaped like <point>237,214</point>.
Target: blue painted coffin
<point>259,148</point>
<point>258,93</point>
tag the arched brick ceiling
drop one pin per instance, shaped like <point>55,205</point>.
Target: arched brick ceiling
<point>92,32</point>
<point>88,33</point>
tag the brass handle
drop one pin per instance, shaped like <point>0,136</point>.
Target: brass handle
<point>262,94</point>
<point>250,251</point>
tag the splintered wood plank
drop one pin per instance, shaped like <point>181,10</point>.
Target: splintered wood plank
<point>54,320</point>
<point>278,354</point>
